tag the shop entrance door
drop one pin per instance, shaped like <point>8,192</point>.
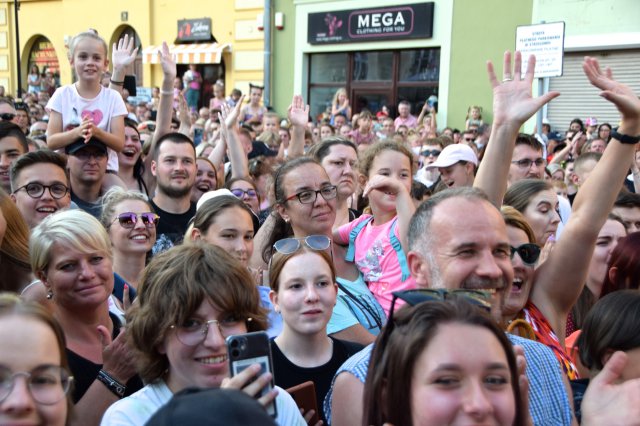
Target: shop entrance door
<point>371,99</point>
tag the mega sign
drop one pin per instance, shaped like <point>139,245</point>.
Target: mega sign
<point>397,22</point>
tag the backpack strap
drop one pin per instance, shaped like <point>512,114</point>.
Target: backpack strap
<point>351,252</point>
<point>402,258</point>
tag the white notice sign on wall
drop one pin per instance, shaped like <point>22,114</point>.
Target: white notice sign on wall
<point>546,42</point>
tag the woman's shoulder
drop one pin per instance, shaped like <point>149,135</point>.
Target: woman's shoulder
<point>346,347</point>
<point>137,408</point>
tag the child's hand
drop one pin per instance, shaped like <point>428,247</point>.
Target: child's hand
<point>298,112</point>
<point>86,129</point>
<point>229,116</point>
<point>123,54</point>
<point>167,62</point>
<point>384,184</point>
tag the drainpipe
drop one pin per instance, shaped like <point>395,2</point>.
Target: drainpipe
<point>266,96</point>
<point>16,7</point>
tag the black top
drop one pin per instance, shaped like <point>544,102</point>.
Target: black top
<point>84,372</point>
<point>171,227</point>
<point>286,374</point>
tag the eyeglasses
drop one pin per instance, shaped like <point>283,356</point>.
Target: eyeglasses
<point>431,152</point>
<point>480,298</point>
<point>194,331</point>
<point>310,196</point>
<point>48,384</point>
<point>468,139</point>
<point>292,245</point>
<point>7,116</point>
<point>525,163</point>
<point>529,253</point>
<point>85,155</point>
<point>129,220</point>
<point>36,190</point>
<point>251,193</point>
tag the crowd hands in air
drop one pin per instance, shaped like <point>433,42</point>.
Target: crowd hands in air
<point>375,252</point>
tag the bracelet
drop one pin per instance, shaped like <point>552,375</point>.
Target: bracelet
<point>632,140</point>
<point>166,92</point>
<point>117,83</point>
<point>117,388</point>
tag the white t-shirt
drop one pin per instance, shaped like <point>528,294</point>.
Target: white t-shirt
<point>102,109</point>
<point>137,409</point>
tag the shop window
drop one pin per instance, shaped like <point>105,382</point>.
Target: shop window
<point>372,66</point>
<point>420,65</point>
<point>373,79</point>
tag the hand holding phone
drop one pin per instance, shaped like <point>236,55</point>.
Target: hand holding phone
<point>251,368</point>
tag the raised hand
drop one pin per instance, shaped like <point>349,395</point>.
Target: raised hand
<point>229,116</point>
<point>615,92</point>
<point>512,99</point>
<point>384,183</point>
<point>298,112</point>
<point>123,54</point>
<point>117,357</point>
<point>167,61</point>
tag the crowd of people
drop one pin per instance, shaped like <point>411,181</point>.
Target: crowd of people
<point>378,253</point>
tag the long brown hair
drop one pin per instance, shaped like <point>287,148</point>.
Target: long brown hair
<point>14,250</point>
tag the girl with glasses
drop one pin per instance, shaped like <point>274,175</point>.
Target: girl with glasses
<point>71,255</point>
<point>304,292</point>
<point>245,189</point>
<point>421,373</point>
<point>34,374</point>
<point>131,225</point>
<point>191,298</point>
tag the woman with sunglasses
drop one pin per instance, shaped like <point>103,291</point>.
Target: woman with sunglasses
<point>421,373</point>
<point>131,225</point>
<point>71,255</point>
<point>34,374</point>
<point>305,204</point>
<point>192,297</point>
<point>304,292</point>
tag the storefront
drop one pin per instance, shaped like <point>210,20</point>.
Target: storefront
<point>43,55</point>
<point>381,54</point>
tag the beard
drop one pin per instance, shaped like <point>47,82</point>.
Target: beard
<point>174,192</point>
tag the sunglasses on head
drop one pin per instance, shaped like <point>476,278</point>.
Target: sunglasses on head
<point>129,220</point>
<point>7,116</point>
<point>529,253</point>
<point>292,245</point>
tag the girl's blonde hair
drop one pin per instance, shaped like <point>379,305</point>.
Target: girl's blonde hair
<point>471,108</point>
<point>92,34</point>
<point>337,94</point>
<point>366,161</point>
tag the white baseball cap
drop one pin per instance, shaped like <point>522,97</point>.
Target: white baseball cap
<point>454,153</point>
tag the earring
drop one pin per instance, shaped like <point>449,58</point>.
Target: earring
<point>49,294</point>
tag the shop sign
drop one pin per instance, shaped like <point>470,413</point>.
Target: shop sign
<point>44,56</point>
<point>194,29</point>
<point>388,23</point>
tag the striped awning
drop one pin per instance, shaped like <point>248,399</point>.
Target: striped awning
<point>196,53</point>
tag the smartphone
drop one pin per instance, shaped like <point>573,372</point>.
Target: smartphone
<point>304,395</point>
<point>247,349</point>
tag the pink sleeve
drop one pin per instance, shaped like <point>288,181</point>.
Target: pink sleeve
<point>345,230</point>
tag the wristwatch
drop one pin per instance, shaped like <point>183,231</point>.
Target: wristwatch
<point>112,384</point>
<point>632,140</point>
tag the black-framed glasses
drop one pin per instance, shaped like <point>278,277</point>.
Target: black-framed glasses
<point>128,220</point>
<point>238,192</point>
<point>309,196</point>
<point>292,245</point>
<point>48,384</point>
<point>480,298</point>
<point>431,152</point>
<point>194,331</point>
<point>529,253</point>
<point>36,190</point>
<point>7,116</point>
<point>525,163</point>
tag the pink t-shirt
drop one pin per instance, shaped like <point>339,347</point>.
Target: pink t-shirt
<point>376,259</point>
<point>411,122</point>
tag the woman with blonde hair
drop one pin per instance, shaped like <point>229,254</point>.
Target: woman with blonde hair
<point>340,105</point>
<point>71,255</point>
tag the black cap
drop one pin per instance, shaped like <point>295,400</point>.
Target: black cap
<point>211,407</point>
<point>259,148</point>
<point>80,143</point>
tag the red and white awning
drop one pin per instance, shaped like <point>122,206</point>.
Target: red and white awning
<point>196,53</point>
